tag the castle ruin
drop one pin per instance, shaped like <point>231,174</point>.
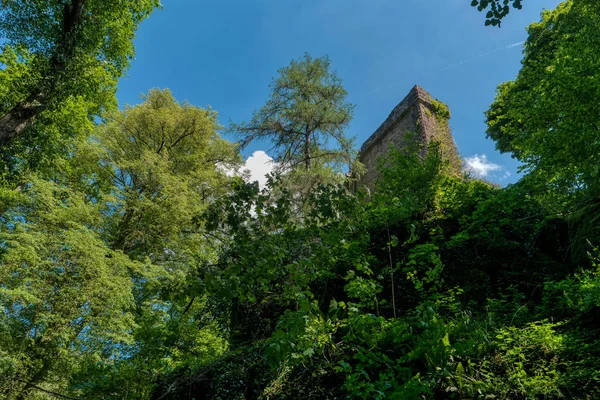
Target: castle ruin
<point>418,113</point>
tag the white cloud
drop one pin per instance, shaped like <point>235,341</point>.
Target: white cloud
<point>480,166</point>
<point>256,168</point>
<point>259,164</point>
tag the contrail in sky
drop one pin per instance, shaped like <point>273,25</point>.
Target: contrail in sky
<point>447,67</point>
<point>489,53</point>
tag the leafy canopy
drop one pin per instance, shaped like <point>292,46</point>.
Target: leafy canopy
<point>62,51</point>
<point>305,117</point>
<point>547,117</point>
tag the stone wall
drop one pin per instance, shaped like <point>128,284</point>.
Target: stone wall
<point>418,113</point>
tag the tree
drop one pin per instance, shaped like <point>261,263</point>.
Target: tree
<point>163,157</point>
<point>548,116</point>
<point>164,161</point>
<point>306,111</point>
<point>63,50</point>
<point>66,297</point>
<point>360,299</point>
<point>99,258</point>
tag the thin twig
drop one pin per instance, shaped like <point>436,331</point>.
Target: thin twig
<point>391,270</point>
<point>30,384</point>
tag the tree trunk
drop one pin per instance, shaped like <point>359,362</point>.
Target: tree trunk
<point>15,121</point>
<point>307,155</point>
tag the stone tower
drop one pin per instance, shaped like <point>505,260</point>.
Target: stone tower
<point>418,113</point>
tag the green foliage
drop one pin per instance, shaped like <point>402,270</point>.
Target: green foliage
<point>59,56</point>
<point>163,159</point>
<point>66,297</point>
<point>540,117</point>
<point>105,29</point>
<point>132,266</point>
<point>496,10</point>
<point>442,295</point>
<point>440,110</point>
<point>96,291</point>
<point>530,356</point>
<point>424,267</point>
<point>306,112</point>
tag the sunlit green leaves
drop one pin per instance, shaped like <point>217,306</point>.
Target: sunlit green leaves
<point>547,117</point>
<point>64,293</point>
<point>305,117</point>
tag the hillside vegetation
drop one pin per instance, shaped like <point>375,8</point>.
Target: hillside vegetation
<point>137,262</point>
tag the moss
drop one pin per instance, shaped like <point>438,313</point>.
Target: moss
<point>440,110</point>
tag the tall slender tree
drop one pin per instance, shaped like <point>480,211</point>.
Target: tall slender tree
<point>305,118</point>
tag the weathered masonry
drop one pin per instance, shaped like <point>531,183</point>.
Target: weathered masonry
<point>418,113</point>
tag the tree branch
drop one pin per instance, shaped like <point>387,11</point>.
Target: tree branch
<point>34,386</point>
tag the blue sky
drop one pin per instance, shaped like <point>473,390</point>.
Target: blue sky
<point>224,54</point>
